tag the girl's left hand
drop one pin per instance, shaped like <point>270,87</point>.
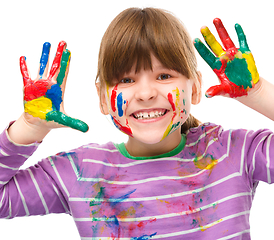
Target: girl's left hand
<point>234,67</point>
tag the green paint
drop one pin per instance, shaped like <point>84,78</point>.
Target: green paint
<point>174,126</point>
<point>184,102</point>
<point>98,196</point>
<point>65,120</point>
<point>64,64</point>
<point>206,54</point>
<point>237,72</point>
<point>194,222</point>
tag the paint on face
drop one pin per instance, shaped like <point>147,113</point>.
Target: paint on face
<point>113,98</point>
<point>176,108</point>
<point>120,103</point>
<point>126,129</point>
<point>44,58</point>
<point>170,99</point>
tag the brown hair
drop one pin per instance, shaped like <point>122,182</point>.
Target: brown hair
<point>137,33</point>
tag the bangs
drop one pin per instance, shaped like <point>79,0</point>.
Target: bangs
<point>134,35</point>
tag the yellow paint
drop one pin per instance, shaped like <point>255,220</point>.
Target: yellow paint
<point>39,107</point>
<point>177,109</point>
<point>203,228</point>
<point>177,94</point>
<point>205,163</point>
<point>212,42</point>
<point>252,67</point>
<point>126,213</point>
<point>167,130</point>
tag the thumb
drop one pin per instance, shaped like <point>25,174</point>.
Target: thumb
<point>65,120</point>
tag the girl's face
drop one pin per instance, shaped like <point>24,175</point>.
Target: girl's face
<point>151,104</point>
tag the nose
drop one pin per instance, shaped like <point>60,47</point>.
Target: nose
<point>146,91</point>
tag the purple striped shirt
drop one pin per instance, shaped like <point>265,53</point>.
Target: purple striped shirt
<point>201,190</point>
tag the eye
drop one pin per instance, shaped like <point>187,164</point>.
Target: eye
<point>164,77</point>
<point>126,80</point>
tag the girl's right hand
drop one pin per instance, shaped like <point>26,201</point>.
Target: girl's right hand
<point>43,97</point>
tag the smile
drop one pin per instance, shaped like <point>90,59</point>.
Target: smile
<point>149,114</point>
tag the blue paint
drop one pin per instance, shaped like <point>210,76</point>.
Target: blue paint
<point>144,237</point>
<point>113,224</point>
<point>120,102</point>
<point>122,198</point>
<point>113,121</point>
<point>55,95</point>
<point>44,58</point>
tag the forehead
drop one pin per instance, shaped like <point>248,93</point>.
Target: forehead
<point>136,37</point>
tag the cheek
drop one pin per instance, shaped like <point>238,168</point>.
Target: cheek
<point>179,102</point>
<point>117,105</point>
<point>116,101</point>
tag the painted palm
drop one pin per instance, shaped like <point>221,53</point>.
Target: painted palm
<point>43,97</point>
<point>235,67</point>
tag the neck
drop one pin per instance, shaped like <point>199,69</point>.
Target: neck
<point>139,149</point>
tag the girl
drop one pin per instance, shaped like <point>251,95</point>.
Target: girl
<point>174,178</point>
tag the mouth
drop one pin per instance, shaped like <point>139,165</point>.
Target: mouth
<point>149,114</point>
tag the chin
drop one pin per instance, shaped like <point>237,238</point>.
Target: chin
<point>149,139</point>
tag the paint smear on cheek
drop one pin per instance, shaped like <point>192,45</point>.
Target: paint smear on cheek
<point>120,103</point>
<point>170,99</point>
<point>113,98</point>
<point>126,129</point>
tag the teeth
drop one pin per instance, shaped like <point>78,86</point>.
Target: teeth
<point>146,115</point>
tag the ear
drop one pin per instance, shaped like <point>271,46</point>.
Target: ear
<point>102,94</point>
<point>197,89</point>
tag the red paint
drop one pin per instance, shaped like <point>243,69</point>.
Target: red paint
<point>24,69</point>
<point>36,89</point>
<point>226,40</point>
<point>170,99</point>
<point>113,98</point>
<point>144,223</point>
<point>57,60</point>
<point>125,129</point>
<point>33,90</point>
<point>226,86</point>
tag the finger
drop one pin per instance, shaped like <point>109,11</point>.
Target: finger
<point>24,70</point>
<point>64,67</point>
<point>227,42</point>
<point>56,62</point>
<point>205,53</point>
<point>241,38</point>
<point>65,120</point>
<point>44,60</point>
<point>212,42</point>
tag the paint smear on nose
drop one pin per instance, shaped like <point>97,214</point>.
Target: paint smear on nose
<point>113,98</point>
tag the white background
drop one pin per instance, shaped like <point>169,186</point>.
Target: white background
<point>26,25</point>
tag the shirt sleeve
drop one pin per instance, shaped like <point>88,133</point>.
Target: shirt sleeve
<point>260,156</point>
<point>32,191</point>
<point>253,154</point>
